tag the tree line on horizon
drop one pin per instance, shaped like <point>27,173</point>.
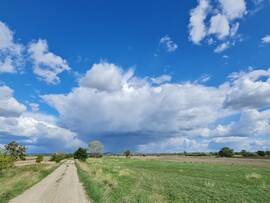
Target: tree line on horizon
<point>13,151</point>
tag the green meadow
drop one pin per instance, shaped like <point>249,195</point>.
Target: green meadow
<point>133,180</point>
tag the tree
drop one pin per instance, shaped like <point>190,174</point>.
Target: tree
<point>15,150</point>
<point>81,154</point>
<point>127,153</point>
<point>96,148</point>
<point>226,152</point>
<point>261,153</point>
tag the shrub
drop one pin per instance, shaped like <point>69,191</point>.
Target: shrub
<point>261,153</point>
<point>244,153</point>
<point>39,158</point>
<point>197,154</point>
<point>213,153</point>
<point>127,153</point>
<point>57,157</point>
<point>68,156</point>
<point>6,161</point>
<point>226,152</point>
<point>98,155</point>
<point>80,154</point>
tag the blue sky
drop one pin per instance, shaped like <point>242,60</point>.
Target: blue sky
<point>150,76</point>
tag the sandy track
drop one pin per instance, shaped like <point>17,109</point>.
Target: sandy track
<point>61,186</point>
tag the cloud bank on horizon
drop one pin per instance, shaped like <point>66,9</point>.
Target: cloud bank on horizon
<point>144,113</point>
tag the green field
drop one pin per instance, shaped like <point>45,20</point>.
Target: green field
<point>133,180</point>
<point>16,180</point>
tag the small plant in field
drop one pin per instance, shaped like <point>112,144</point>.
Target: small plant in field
<point>39,158</point>
<point>98,155</point>
<point>263,185</point>
<point>124,172</point>
<point>253,176</point>
<point>209,184</point>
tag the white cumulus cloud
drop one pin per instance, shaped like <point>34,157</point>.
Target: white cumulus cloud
<point>9,106</point>
<point>47,65</point>
<point>219,25</point>
<point>168,44</point>
<point>216,22</point>
<point>139,106</point>
<point>196,22</point>
<point>175,115</point>
<point>220,48</point>
<point>103,76</point>
<point>233,8</point>
<point>266,39</point>
<point>35,132</point>
<point>249,90</point>
<point>10,51</point>
<point>32,129</point>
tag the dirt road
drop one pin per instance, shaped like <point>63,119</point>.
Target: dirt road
<point>61,186</point>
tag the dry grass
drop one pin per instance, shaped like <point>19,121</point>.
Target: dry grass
<point>124,172</point>
<point>208,160</point>
<point>17,179</point>
<point>253,175</point>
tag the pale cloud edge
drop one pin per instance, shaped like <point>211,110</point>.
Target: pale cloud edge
<point>168,44</point>
<point>266,39</point>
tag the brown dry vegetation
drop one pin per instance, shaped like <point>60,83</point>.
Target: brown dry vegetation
<point>15,180</point>
<point>210,159</point>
